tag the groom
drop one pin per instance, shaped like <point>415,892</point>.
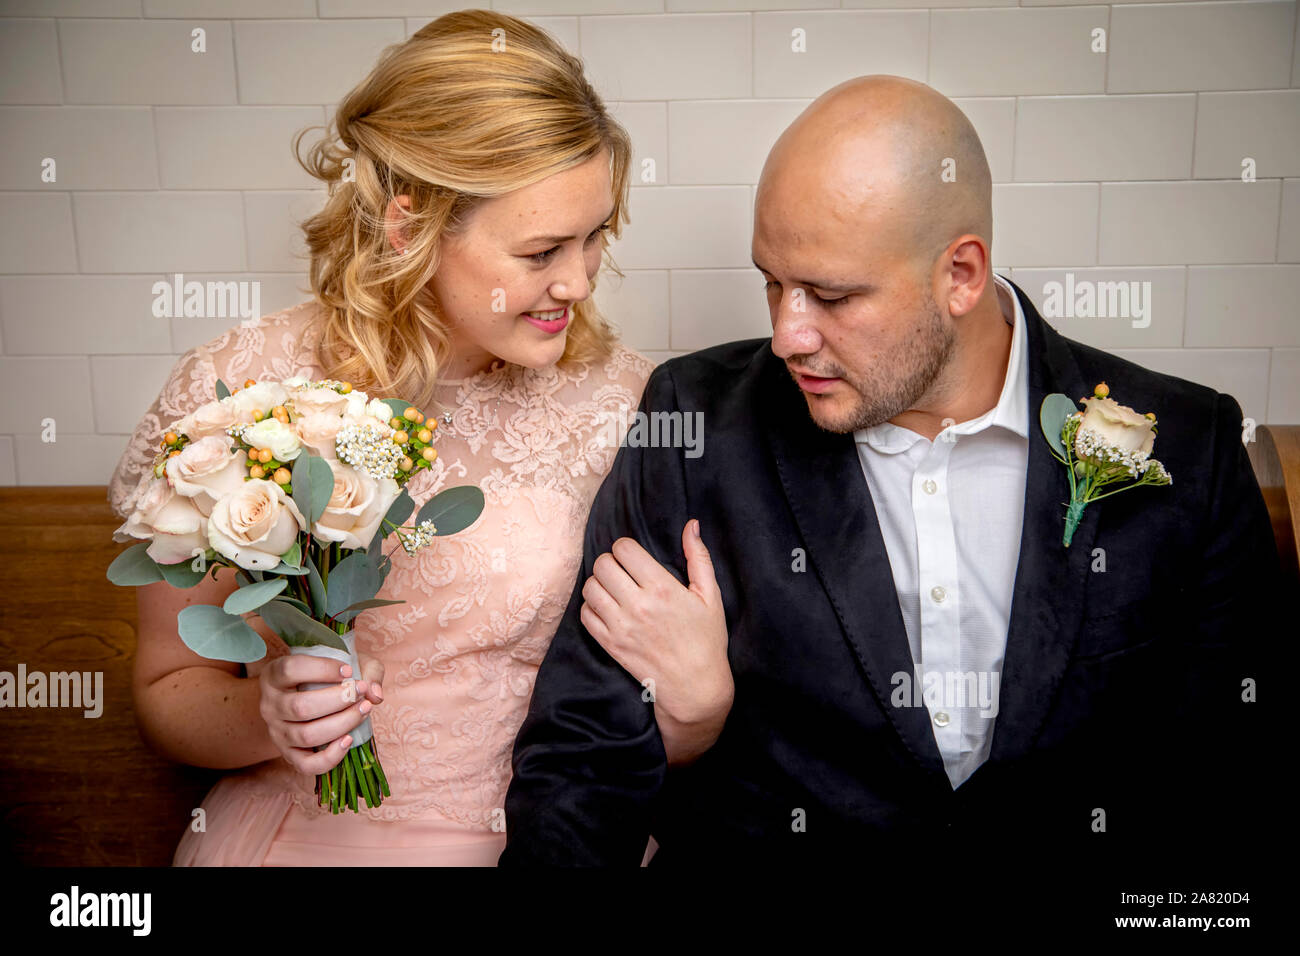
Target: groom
<point>920,664</point>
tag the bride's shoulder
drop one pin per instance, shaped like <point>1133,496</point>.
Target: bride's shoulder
<point>626,365</point>
<point>278,344</point>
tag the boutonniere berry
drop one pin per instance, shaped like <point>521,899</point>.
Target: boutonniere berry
<point>1104,446</point>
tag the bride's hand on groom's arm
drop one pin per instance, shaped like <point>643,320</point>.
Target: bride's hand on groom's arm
<point>300,720</point>
<point>663,632</point>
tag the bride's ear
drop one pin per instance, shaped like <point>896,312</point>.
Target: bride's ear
<point>393,221</point>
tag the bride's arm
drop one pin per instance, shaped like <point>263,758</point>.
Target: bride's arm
<point>190,709</point>
<point>206,713</point>
<point>671,638</point>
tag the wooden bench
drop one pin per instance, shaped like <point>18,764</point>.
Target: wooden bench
<point>86,791</point>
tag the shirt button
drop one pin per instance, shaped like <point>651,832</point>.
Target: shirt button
<point>941,719</point>
<point>938,594</point>
<point>930,487</point>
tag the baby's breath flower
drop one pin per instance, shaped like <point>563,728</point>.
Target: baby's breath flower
<point>366,448</point>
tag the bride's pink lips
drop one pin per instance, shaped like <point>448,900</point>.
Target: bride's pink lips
<point>553,326</point>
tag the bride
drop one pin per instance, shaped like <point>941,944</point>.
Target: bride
<point>472,181</point>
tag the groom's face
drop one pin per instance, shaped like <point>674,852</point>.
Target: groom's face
<point>852,308</point>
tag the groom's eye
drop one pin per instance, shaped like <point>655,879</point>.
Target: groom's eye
<point>767,286</point>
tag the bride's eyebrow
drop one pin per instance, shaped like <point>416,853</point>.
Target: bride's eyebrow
<point>558,239</point>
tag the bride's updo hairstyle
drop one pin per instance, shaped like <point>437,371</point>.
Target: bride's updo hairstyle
<point>474,105</point>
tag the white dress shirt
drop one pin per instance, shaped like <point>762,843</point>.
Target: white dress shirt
<point>950,512</point>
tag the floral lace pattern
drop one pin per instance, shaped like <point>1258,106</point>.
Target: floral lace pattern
<point>481,606</point>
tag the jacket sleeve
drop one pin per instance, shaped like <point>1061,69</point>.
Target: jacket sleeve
<point>1236,600</point>
<point>588,760</point>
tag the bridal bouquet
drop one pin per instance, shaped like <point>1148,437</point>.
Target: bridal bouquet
<point>295,485</point>
<point>1105,445</point>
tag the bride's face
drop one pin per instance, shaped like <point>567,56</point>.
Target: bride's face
<point>535,250</point>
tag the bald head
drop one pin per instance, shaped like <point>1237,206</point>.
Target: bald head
<point>890,153</point>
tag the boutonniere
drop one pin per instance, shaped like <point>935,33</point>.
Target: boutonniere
<point>1105,445</point>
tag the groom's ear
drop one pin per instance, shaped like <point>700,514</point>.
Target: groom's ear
<point>966,273</point>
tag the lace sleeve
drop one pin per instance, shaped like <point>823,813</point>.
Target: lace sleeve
<point>192,383</point>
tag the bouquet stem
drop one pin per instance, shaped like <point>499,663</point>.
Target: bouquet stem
<point>359,774</point>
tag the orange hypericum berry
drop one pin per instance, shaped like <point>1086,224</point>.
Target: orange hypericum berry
<point>257,415</point>
<point>406,464</point>
<point>257,471</point>
<point>281,476</point>
<point>401,437</point>
<point>171,438</point>
<point>345,388</point>
<point>424,435</point>
<point>433,423</point>
<point>429,454</point>
<point>264,455</point>
<point>249,382</point>
<point>411,413</point>
<point>174,453</point>
<point>394,422</point>
<point>1102,390</point>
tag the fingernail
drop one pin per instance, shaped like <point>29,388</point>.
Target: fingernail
<point>365,706</point>
<point>345,670</point>
<point>379,692</point>
<point>349,691</point>
<point>346,742</point>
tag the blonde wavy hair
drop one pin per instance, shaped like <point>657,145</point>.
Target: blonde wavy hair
<point>474,105</point>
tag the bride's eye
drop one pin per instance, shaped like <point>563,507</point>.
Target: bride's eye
<point>541,257</point>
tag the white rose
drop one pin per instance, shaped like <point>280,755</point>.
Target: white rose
<point>307,401</point>
<point>381,411</point>
<point>357,402</point>
<point>176,527</point>
<point>212,418</point>
<point>1118,425</point>
<point>256,525</point>
<point>274,434</point>
<point>205,471</point>
<point>296,381</point>
<point>356,506</point>
<point>261,397</point>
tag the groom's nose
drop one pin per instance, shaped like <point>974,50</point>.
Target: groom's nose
<point>793,330</point>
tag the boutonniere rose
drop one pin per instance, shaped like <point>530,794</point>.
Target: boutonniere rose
<point>1105,445</point>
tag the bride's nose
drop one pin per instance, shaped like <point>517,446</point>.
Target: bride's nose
<point>574,285</point>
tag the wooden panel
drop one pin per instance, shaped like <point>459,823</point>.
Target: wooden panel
<point>1275,456</point>
<point>78,790</point>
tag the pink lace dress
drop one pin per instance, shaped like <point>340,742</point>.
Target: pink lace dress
<point>481,606</point>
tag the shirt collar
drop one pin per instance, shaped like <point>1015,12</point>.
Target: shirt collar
<point>1011,411</point>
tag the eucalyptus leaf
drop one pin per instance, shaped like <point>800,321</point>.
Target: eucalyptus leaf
<point>222,390</point>
<point>356,578</point>
<point>296,603</point>
<point>289,569</point>
<point>210,632</point>
<point>1056,408</point>
<point>252,596</point>
<point>313,485</point>
<point>398,512</point>
<point>181,574</point>
<point>294,555</point>
<point>452,510</point>
<point>315,585</point>
<point>348,614</point>
<point>133,567</point>
<point>297,629</point>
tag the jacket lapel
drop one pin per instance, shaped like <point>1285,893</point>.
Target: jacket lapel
<point>832,506</point>
<point>836,516</point>
<point>1050,577</point>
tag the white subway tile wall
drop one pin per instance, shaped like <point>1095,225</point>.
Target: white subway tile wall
<point>1150,149</point>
